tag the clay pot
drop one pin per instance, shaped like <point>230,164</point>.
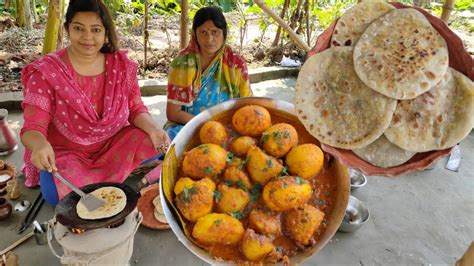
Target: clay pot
<point>5,209</point>
<point>8,141</point>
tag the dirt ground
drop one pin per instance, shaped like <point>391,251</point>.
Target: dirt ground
<point>19,47</point>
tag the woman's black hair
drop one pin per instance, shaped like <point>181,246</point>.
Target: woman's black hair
<point>210,13</point>
<point>101,10</point>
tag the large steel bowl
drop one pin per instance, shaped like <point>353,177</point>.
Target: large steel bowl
<point>192,127</point>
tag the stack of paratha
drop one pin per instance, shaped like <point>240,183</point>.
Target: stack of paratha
<point>384,88</point>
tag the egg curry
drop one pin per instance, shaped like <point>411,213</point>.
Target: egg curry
<point>254,188</point>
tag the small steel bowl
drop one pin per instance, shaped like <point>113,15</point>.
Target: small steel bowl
<point>357,179</point>
<point>356,215</point>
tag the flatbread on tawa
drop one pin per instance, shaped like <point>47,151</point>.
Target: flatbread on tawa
<point>401,55</point>
<point>383,153</point>
<point>437,119</point>
<point>335,106</point>
<point>355,20</point>
<point>115,201</point>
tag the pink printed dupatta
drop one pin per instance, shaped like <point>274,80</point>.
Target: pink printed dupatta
<point>53,89</point>
<point>74,116</point>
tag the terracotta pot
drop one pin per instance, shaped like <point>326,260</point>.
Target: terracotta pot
<point>5,209</point>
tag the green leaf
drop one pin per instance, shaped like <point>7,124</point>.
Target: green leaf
<point>208,170</point>
<point>269,163</point>
<point>230,157</point>
<point>255,192</point>
<point>217,195</point>
<point>241,185</point>
<point>237,215</point>
<point>187,193</point>
<point>265,137</point>
<point>299,180</point>
<point>284,172</point>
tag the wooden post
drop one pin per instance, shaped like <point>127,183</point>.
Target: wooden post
<point>448,7</point>
<point>184,24</point>
<point>300,43</point>
<point>52,27</point>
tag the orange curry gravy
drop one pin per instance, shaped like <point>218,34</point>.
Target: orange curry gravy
<point>323,198</point>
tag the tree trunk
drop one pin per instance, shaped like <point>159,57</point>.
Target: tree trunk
<point>52,27</point>
<point>20,13</point>
<point>282,15</point>
<point>184,24</point>
<point>7,5</point>
<point>145,36</point>
<point>28,18</point>
<point>33,10</point>
<point>448,7</point>
<point>308,27</point>
<point>296,39</point>
<point>60,41</point>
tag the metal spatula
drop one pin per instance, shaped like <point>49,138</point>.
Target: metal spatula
<point>90,201</point>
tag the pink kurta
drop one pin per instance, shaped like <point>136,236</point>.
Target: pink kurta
<point>86,119</point>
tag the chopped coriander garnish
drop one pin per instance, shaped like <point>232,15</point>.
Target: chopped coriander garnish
<point>217,195</point>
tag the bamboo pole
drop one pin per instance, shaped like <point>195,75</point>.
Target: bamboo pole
<point>300,43</point>
<point>52,27</point>
<point>448,8</point>
<point>184,24</point>
<point>282,15</point>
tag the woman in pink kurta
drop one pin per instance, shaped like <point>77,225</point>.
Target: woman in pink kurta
<point>83,112</point>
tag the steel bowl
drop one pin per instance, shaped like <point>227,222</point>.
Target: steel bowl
<point>356,215</point>
<point>187,133</point>
<point>357,179</point>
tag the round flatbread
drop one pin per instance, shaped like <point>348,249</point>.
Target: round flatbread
<point>383,153</point>
<point>401,55</point>
<point>355,20</point>
<point>437,119</point>
<point>335,106</point>
<point>157,204</point>
<point>115,201</point>
<point>160,217</point>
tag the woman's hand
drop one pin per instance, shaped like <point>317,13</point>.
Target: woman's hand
<point>160,139</point>
<point>42,157</point>
<point>42,154</point>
